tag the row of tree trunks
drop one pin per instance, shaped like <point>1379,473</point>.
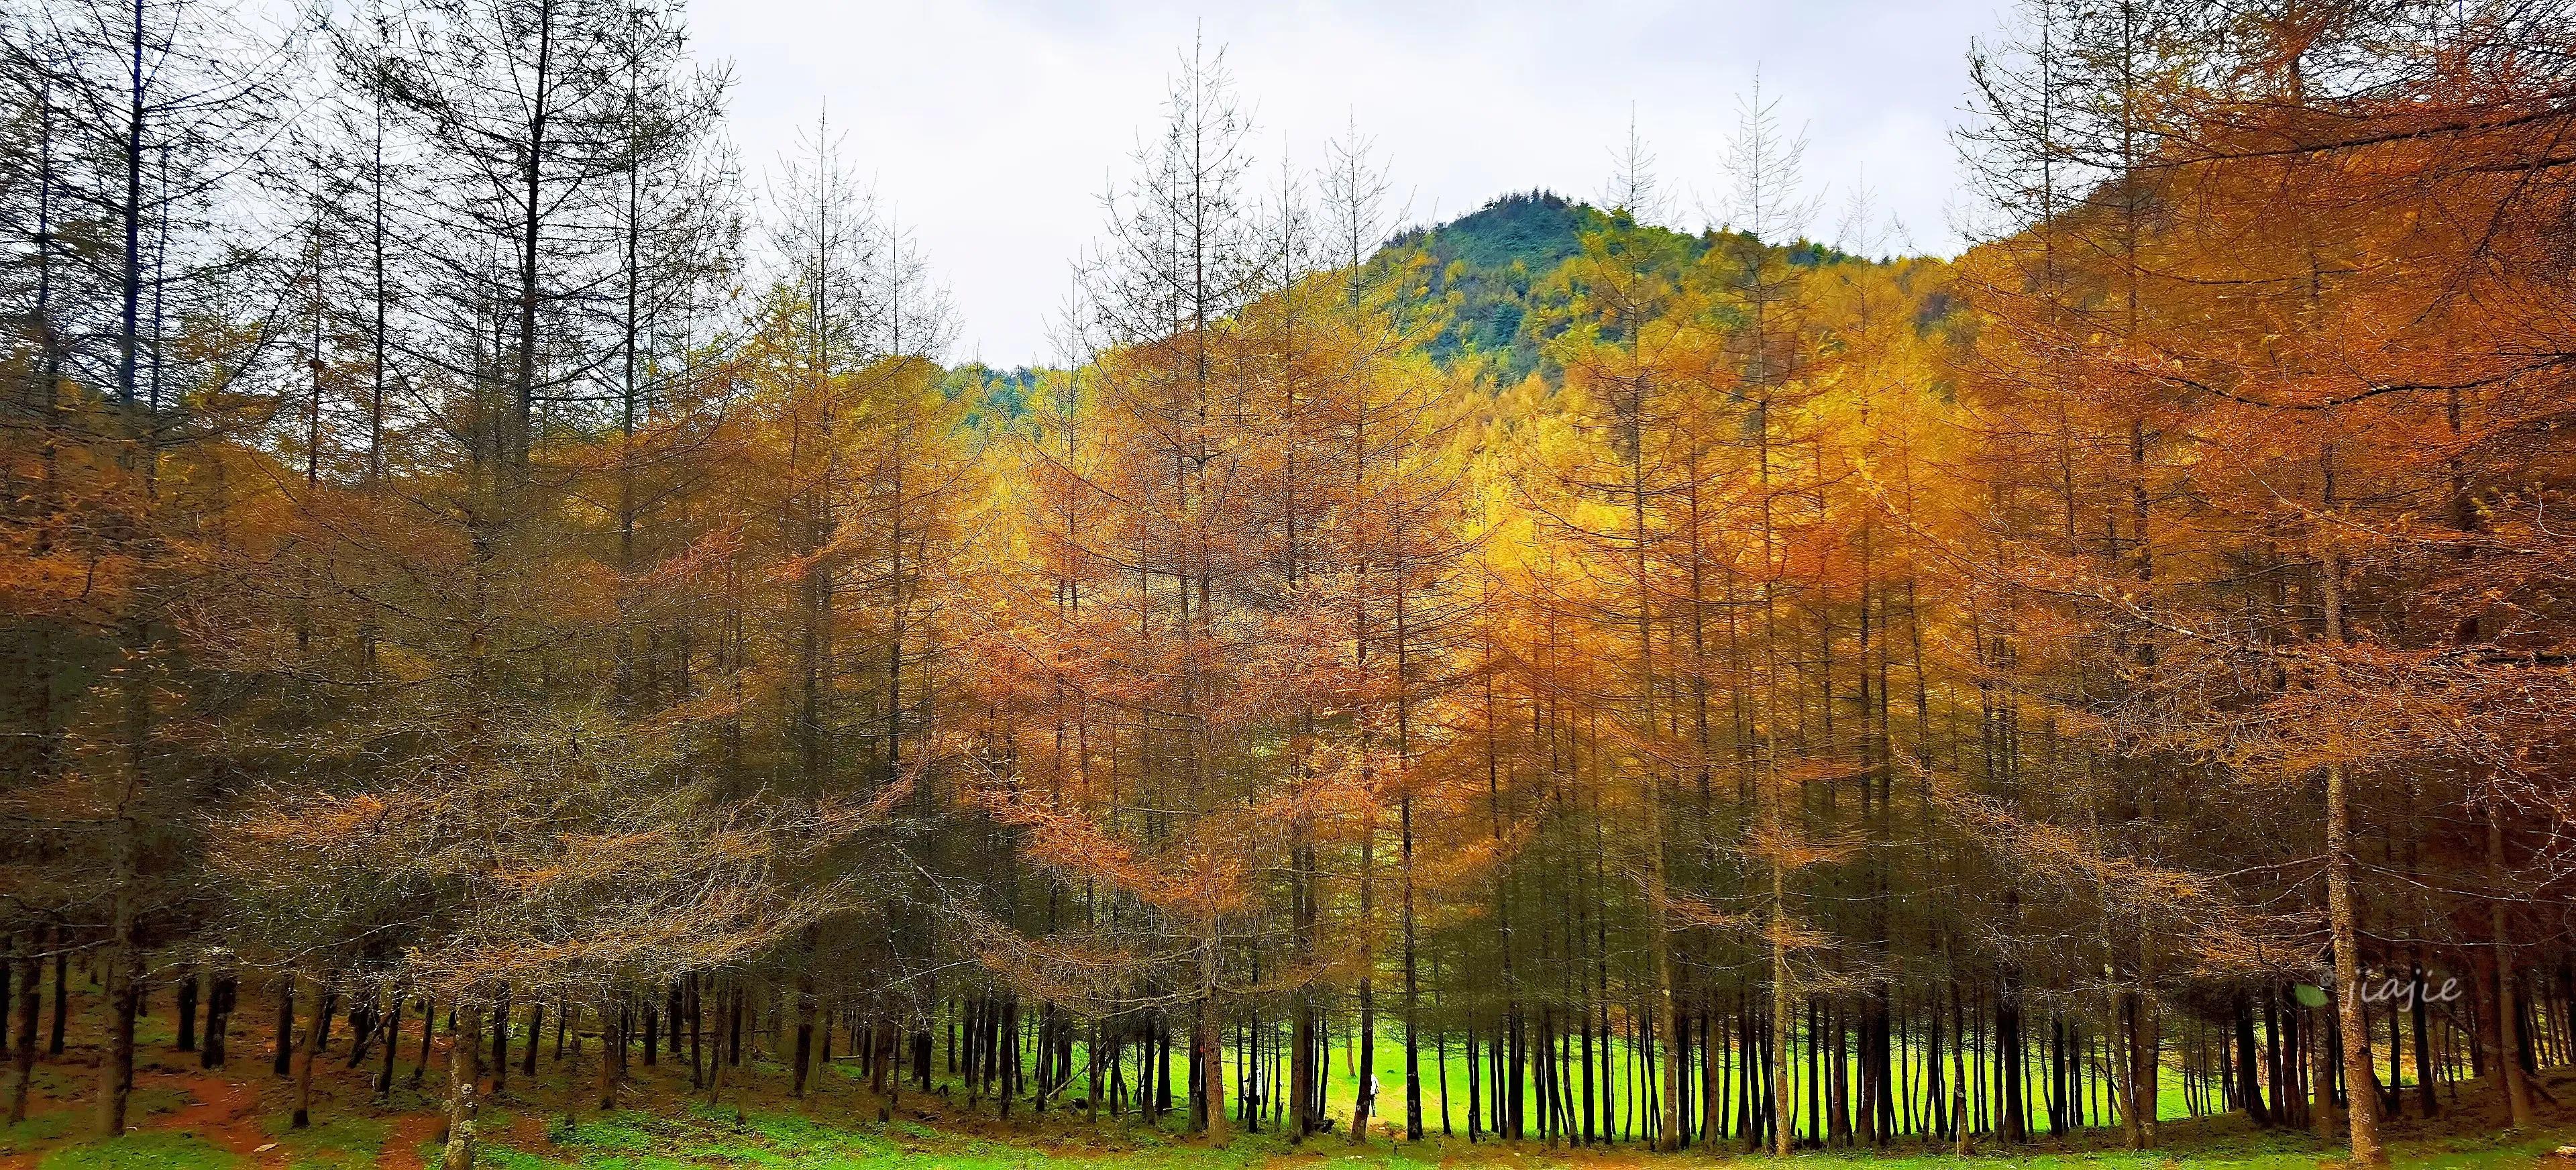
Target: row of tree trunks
<point>1586,1077</point>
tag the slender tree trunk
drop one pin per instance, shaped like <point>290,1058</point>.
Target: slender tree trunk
<point>62,992</point>
<point>428,1028</point>
<point>2508,1056</point>
<point>2342,907</point>
<point>2249,1084</point>
<point>501,1040</point>
<point>116,1075</point>
<point>536,1030</point>
<point>1364,1074</point>
<point>1783,1002</point>
<point>391,1023</point>
<point>611,1043</point>
<point>281,1057</point>
<point>22,1056</point>
<point>804,1039</point>
<point>187,1009</point>
<point>464,1054</point>
<point>312,1051</point>
<point>2323,1113</point>
<point>222,993</point>
<point>1211,1048</point>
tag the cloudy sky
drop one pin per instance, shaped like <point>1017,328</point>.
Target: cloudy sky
<point>992,126</point>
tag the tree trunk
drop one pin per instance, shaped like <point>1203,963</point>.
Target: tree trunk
<point>428,1026</point>
<point>62,992</point>
<point>222,992</point>
<point>1211,1054</point>
<point>804,1039</point>
<point>22,1057</point>
<point>2323,1113</point>
<point>501,1040</point>
<point>391,1023</point>
<point>116,1075</point>
<point>2425,1104</point>
<point>464,1053</point>
<point>1412,980</point>
<point>2508,1025</point>
<point>536,1029</point>
<point>1364,1074</point>
<point>187,1021</point>
<point>610,1041</point>
<point>281,1057</point>
<point>312,1051</point>
<point>1783,1009</point>
<point>2249,1083</point>
<point>2352,1018</point>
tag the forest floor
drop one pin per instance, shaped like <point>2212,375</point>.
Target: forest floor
<point>184,1118</point>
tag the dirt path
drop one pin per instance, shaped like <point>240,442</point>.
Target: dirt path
<point>402,1146</point>
<point>220,1111</point>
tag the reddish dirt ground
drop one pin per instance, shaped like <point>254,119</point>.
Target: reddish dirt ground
<point>402,1146</point>
<point>221,1111</point>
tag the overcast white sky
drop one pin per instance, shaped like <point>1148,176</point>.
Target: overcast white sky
<point>991,125</point>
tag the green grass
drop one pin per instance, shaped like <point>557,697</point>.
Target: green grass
<point>37,1128</point>
<point>669,1128</point>
<point>143,1151</point>
<point>335,1143</point>
<point>52,1124</point>
<point>153,1102</point>
<point>833,1134</point>
<point>705,1136</point>
<point>2254,1150</point>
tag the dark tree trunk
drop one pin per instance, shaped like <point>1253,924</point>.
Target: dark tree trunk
<point>187,1021</point>
<point>501,1041</point>
<point>22,1056</point>
<point>2424,1100</point>
<point>536,1029</point>
<point>282,1051</point>
<point>124,995</point>
<point>428,1029</point>
<point>62,992</point>
<point>392,1025</point>
<point>304,1062</point>
<point>222,994</point>
<point>2249,1086</point>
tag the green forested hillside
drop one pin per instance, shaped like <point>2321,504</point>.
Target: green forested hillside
<point>1491,286</point>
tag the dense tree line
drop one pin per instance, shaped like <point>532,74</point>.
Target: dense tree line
<point>474,565</point>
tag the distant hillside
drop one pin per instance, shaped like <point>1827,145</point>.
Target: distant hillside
<point>1494,273</point>
<point>1491,292</point>
<point>1533,228</point>
<point>1493,265</point>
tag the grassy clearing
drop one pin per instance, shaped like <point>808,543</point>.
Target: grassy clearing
<point>673,1134</point>
<point>236,1119</point>
<point>143,1151</point>
<point>711,1136</point>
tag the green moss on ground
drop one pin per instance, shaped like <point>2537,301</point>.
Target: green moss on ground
<point>142,1151</point>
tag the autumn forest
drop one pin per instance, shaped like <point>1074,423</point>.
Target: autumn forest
<point>485,565</point>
